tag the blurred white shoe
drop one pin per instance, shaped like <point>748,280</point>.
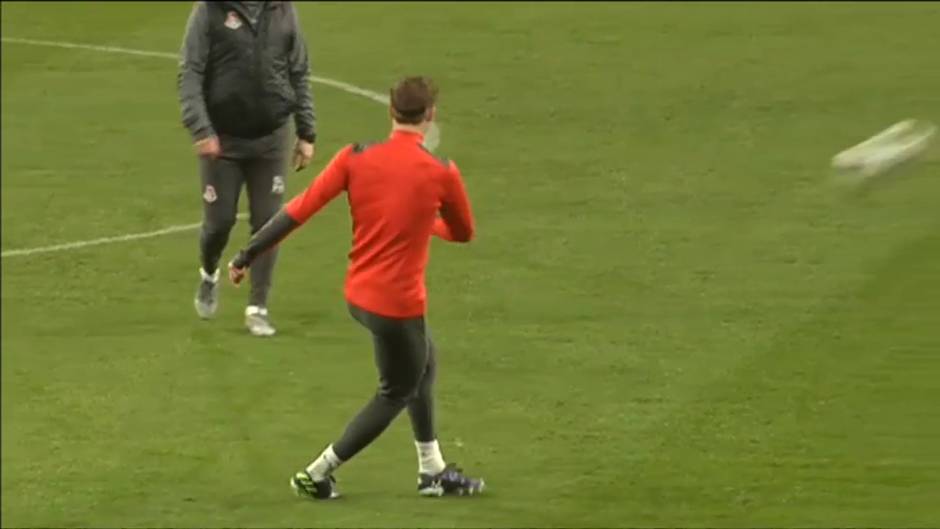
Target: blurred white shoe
<point>258,322</point>
<point>207,294</point>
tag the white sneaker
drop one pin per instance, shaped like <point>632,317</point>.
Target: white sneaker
<point>207,295</point>
<point>257,321</point>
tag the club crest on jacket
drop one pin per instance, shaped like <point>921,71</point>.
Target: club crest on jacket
<point>232,21</point>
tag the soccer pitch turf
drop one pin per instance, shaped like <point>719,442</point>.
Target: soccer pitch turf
<point>669,318</point>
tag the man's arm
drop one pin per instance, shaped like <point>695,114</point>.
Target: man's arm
<point>299,61</point>
<point>192,68</point>
<point>456,221</point>
<point>324,188</point>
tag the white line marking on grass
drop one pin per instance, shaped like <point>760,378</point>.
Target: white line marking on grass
<point>108,240</point>
<point>104,240</point>
<point>92,47</point>
<point>340,85</point>
<point>345,87</point>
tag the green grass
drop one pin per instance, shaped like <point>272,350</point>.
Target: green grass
<point>669,317</point>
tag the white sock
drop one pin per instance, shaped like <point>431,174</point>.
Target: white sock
<point>430,460</point>
<point>324,465</point>
<point>252,310</point>
<point>213,278</point>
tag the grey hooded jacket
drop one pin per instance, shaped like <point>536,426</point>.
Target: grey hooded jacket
<point>244,70</point>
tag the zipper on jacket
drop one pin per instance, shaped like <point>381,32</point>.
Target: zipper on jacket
<point>261,36</point>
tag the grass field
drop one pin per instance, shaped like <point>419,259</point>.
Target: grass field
<point>670,317</point>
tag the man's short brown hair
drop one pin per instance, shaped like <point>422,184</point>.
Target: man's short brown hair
<point>411,99</point>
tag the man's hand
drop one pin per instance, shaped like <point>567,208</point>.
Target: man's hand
<point>236,275</point>
<point>303,154</point>
<point>209,147</point>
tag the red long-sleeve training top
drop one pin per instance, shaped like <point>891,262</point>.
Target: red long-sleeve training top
<point>399,196</point>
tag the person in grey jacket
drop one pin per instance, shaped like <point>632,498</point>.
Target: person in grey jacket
<point>243,73</point>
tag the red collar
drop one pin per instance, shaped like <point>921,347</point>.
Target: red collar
<point>417,136</point>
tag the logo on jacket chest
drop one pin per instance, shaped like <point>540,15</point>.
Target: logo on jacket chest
<point>232,20</point>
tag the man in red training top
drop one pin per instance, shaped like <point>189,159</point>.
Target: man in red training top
<point>399,196</point>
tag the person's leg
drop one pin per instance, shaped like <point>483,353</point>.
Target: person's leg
<point>401,358</point>
<point>221,186</point>
<point>221,181</point>
<point>265,178</point>
<point>421,407</point>
<point>421,413</point>
<point>435,477</point>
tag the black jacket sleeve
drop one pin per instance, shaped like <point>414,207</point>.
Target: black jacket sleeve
<point>272,233</point>
<point>192,68</point>
<point>299,61</point>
